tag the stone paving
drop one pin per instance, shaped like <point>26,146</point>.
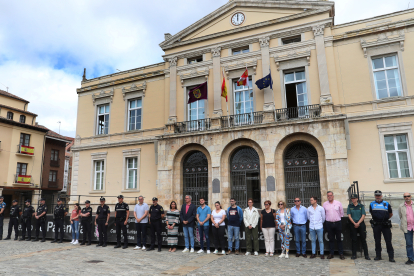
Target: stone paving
<point>65,259</point>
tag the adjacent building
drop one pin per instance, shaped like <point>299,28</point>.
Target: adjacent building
<point>340,110</point>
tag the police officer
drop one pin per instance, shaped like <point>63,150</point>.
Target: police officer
<point>381,214</point>
<point>59,218</point>
<point>121,220</point>
<point>102,217</point>
<point>28,213</point>
<point>356,214</point>
<point>40,218</point>
<point>86,220</point>
<point>156,214</point>
<point>15,214</point>
<point>2,208</point>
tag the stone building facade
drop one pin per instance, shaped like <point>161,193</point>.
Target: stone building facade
<point>340,110</point>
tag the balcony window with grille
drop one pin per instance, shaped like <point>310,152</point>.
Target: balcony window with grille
<point>398,156</point>
<point>195,109</point>
<point>239,51</point>
<point>24,139</point>
<point>296,92</point>
<point>134,114</point>
<point>98,175</point>
<point>10,115</point>
<point>132,173</point>
<point>243,98</point>
<point>103,119</point>
<point>22,119</point>
<point>386,77</point>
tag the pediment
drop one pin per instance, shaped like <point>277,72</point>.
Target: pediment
<point>257,14</point>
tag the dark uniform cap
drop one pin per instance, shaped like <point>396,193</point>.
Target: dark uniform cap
<point>14,200</point>
<point>87,201</point>
<point>120,196</point>
<point>354,196</point>
<point>42,199</point>
<point>59,200</point>
<point>154,198</point>
<point>28,200</point>
<point>1,197</point>
<point>378,193</point>
<point>102,199</point>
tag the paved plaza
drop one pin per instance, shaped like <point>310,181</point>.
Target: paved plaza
<point>29,258</point>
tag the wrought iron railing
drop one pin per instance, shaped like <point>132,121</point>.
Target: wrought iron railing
<point>192,126</point>
<point>55,163</point>
<point>53,184</point>
<point>242,119</point>
<point>300,112</point>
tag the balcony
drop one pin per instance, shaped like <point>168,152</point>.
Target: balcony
<point>192,126</point>
<point>53,184</point>
<point>22,179</point>
<point>25,150</point>
<point>55,163</point>
<point>297,113</point>
<point>253,118</point>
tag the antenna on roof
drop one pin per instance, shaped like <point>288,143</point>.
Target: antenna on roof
<point>59,122</point>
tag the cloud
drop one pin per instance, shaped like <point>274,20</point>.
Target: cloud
<point>44,45</point>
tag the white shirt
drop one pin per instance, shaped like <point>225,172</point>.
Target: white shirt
<point>282,218</point>
<point>218,216</point>
<point>316,217</point>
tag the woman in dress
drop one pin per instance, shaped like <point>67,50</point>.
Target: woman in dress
<point>218,215</point>
<point>284,225</point>
<point>74,221</point>
<point>268,226</point>
<point>173,219</point>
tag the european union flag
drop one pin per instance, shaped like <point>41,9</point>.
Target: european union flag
<point>265,82</point>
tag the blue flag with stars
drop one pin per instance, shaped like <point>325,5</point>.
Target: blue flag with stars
<point>265,82</point>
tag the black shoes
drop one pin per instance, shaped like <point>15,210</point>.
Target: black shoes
<point>353,257</point>
<point>59,242</point>
<point>22,239</point>
<point>83,243</point>
<point>88,244</point>
<point>43,240</point>
<point>99,244</point>
<point>378,258</point>
<point>15,238</point>
<point>367,258</point>
<point>409,262</point>
<point>28,239</point>
<point>117,246</point>
<point>35,240</point>
<point>7,238</point>
<point>104,245</point>
<point>391,259</point>
<point>53,241</point>
<point>150,249</point>
<point>125,246</point>
<point>159,250</point>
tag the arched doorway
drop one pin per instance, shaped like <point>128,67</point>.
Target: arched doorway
<point>195,177</point>
<point>301,173</point>
<point>245,176</point>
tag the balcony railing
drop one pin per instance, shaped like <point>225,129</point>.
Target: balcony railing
<point>55,163</point>
<point>25,149</point>
<point>192,126</point>
<point>242,119</point>
<point>22,179</point>
<point>53,184</point>
<point>300,112</point>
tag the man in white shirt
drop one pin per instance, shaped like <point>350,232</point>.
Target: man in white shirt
<point>316,216</point>
<point>141,222</point>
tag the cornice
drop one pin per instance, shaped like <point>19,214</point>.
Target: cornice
<point>384,39</point>
<point>103,95</point>
<point>241,65</point>
<point>133,88</point>
<point>193,74</point>
<point>380,115</point>
<point>387,100</point>
<point>195,66</point>
<point>132,142</point>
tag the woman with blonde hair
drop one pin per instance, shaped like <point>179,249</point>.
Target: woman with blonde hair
<point>268,226</point>
<point>284,225</point>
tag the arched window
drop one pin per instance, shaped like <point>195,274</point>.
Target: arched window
<point>22,119</point>
<point>195,177</point>
<point>10,115</point>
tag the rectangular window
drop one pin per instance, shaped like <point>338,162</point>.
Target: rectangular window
<point>10,115</point>
<point>398,156</point>
<point>195,109</point>
<point>132,173</point>
<point>103,119</point>
<point>386,77</point>
<point>54,156</point>
<point>241,50</point>
<point>22,119</point>
<point>21,169</point>
<point>289,40</point>
<point>296,92</point>
<point>99,175</point>
<point>24,139</point>
<point>195,60</point>
<point>52,176</point>
<point>243,98</point>
<point>134,114</point>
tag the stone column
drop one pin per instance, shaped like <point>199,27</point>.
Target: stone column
<point>326,98</point>
<point>173,90</point>
<point>216,53</point>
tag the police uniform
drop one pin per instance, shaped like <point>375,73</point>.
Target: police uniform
<point>2,208</point>
<point>14,221</point>
<point>156,213</point>
<point>28,212</point>
<point>59,218</point>
<point>41,222</point>
<point>356,213</point>
<point>380,212</point>
<point>86,224</point>
<point>102,213</point>
<point>121,215</point>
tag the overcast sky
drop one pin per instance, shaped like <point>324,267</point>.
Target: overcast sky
<point>44,45</point>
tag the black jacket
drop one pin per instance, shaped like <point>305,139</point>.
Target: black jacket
<point>189,216</point>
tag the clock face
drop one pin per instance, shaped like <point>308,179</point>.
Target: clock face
<point>237,19</point>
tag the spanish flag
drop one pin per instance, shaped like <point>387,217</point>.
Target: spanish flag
<point>27,150</point>
<point>24,179</point>
<point>224,88</point>
<point>243,78</point>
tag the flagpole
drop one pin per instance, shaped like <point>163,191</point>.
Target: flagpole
<point>273,94</point>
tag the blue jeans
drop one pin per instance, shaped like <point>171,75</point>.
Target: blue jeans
<point>233,231</point>
<point>75,230</point>
<point>188,233</point>
<point>409,245</point>
<point>300,237</point>
<point>313,234</point>
<point>204,230</point>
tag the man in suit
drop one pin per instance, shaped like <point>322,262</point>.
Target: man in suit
<point>187,215</point>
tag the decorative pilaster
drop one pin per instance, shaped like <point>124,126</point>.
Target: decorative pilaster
<point>173,90</point>
<point>216,53</point>
<point>325,98</point>
<point>269,103</point>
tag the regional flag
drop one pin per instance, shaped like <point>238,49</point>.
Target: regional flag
<point>265,82</point>
<point>224,88</point>
<point>24,179</point>
<point>198,93</point>
<point>243,78</point>
<point>27,150</point>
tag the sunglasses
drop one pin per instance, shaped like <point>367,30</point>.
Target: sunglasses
<point>266,204</point>
<point>280,204</point>
<point>407,196</point>
<point>297,200</point>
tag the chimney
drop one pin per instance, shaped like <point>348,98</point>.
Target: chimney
<point>167,36</point>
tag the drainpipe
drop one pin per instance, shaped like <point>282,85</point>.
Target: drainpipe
<point>41,168</point>
<point>24,108</point>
